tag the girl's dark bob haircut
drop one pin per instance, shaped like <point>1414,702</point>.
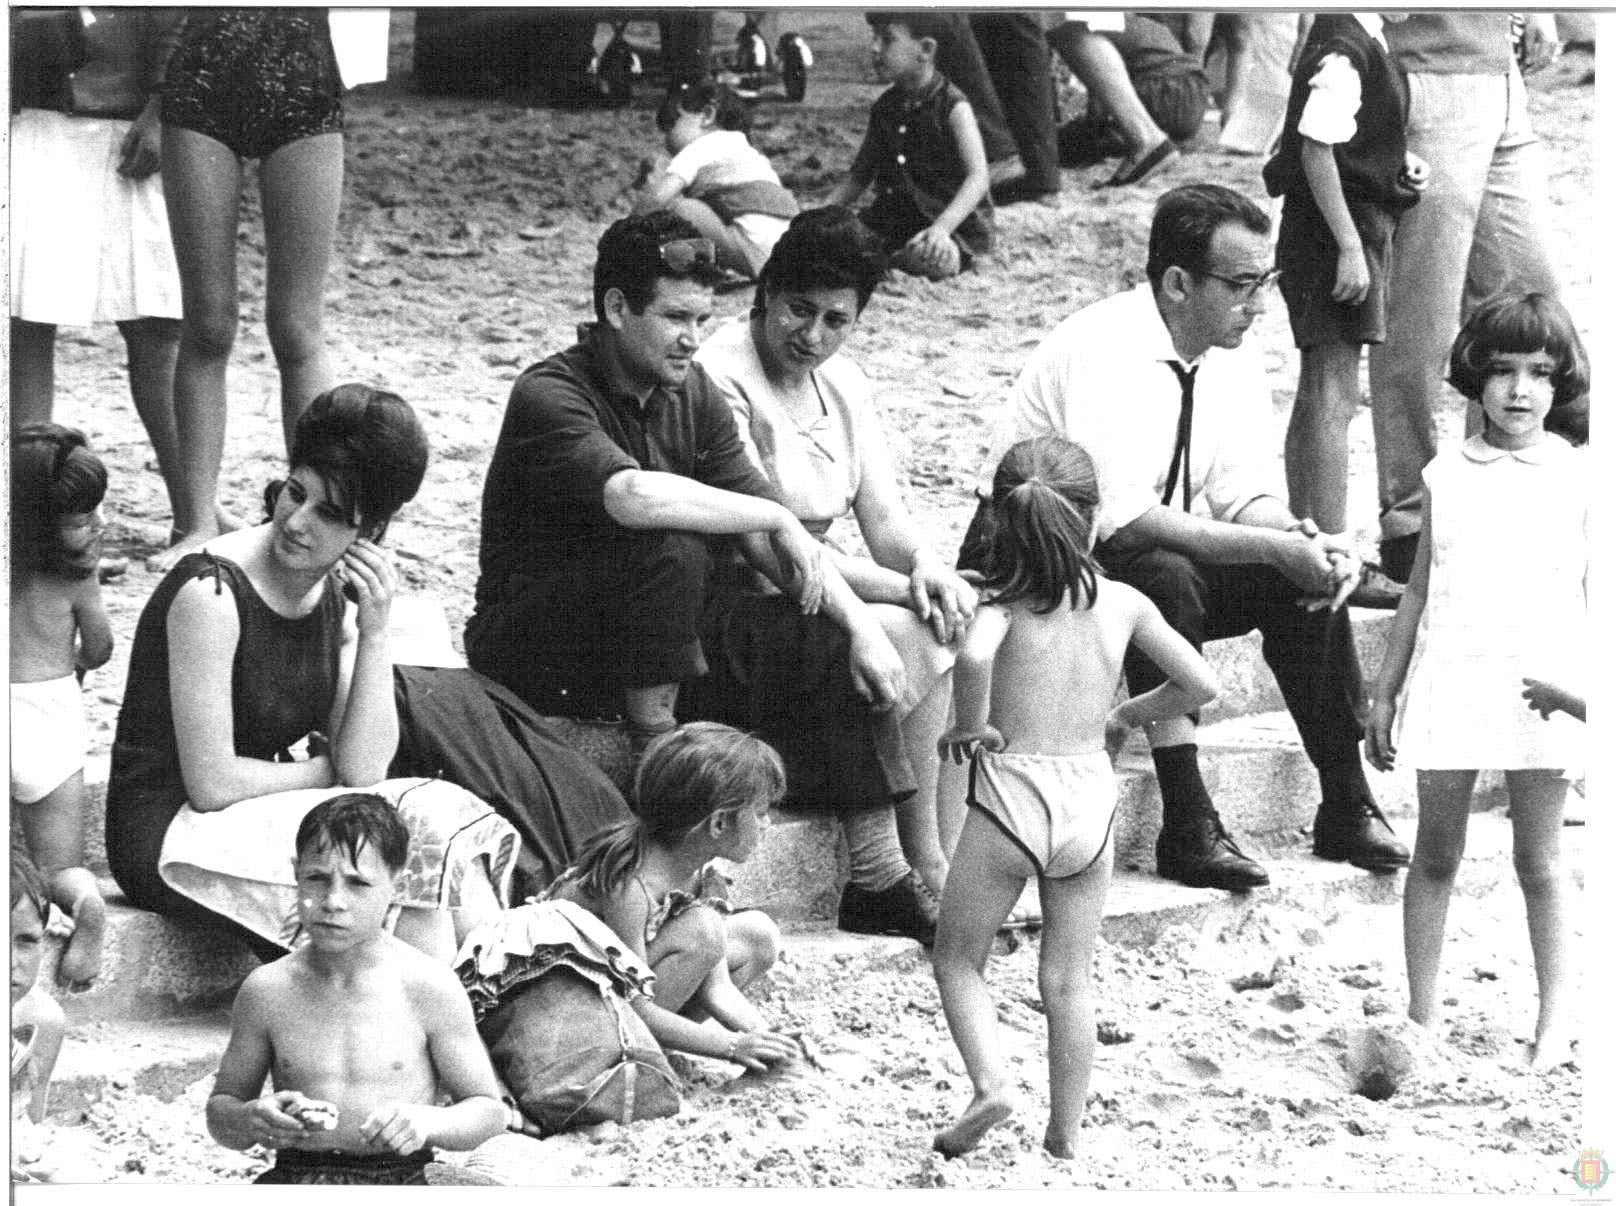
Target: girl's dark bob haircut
<point>53,474</point>
<point>1526,322</point>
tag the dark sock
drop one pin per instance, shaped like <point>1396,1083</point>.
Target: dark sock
<point>1178,775</point>
<point>1342,779</point>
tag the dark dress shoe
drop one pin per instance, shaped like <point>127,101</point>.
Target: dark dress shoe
<point>1397,556</point>
<point>1357,833</point>
<point>905,910</point>
<point>1376,588</point>
<point>1199,853</point>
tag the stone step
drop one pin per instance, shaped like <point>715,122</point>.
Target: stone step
<point>136,1050</point>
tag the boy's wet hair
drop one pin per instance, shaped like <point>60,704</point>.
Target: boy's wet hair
<point>352,821</point>
<point>1526,323</point>
<point>367,446</point>
<point>27,883</point>
<point>730,111</point>
<point>629,258</point>
<point>683,778</point>
<point>931,25</point>
<point>1044,498</point>
<point>825,248</point>
<point>53,474</point>
<point>1186,219</point>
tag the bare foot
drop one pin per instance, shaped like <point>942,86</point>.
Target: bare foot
<point>190,542</point>
<point>1058,1144</point>
<point>81,960</point>
<point>984,1113</point>
<point>1551,1050</point>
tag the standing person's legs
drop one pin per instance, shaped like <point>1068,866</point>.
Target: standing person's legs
<point>33,372</point>
<point>301,184</point>
<point>1438,850</point>
<point>1453,124</point>
<point>1101,69</point>
<point>984,881</point>
<point>202,186</point>
<point>153,345</point>
<point>1018,61</point>
<point>1072,910</point>
<point>1536,809</point>
<point>1260,45</point>
<point>926,665</point>
<point>1316,440</point>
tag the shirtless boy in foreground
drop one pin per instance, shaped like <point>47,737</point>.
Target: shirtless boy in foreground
<point>361,1034</point>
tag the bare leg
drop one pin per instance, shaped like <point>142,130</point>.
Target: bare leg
<point>1536,804</point>
<point>33,372</point>
<point>1072,910</point>
<point>684,954</point>
<point>987,875</point>
<point>153,345</point>
<point>302,191</point>
<point>54,830</point>
<point>926,665</point>
<point>202,186</point>
<point>751,946</point>
<point>1438,850</point>
<point>1316,440</point>
<point>1099,67</point>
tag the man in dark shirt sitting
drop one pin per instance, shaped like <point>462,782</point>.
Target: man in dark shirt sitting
<point>611,472</point>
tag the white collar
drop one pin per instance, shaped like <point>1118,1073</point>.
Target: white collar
<point>1477,449</point>
<point>1159,334</point>
<point>1374,25</point>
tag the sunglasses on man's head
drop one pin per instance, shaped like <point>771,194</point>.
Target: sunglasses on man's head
<point>687,255</point>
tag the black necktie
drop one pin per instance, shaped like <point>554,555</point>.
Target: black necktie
<point>1181,446</point>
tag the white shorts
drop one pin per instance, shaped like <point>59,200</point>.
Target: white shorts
<point>48,736</point>
<point>1057,808</point>
<point>87,245</point>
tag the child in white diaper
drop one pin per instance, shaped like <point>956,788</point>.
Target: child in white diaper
<point>59,630</point>
<point>1033,685</point>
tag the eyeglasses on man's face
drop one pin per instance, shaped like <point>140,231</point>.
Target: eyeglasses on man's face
<point>1246,287</point>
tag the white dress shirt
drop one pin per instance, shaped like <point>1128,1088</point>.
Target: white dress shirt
<point>1103,379</point>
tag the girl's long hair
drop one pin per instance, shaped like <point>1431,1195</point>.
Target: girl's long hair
<point>683,778</point>
<point>1044,499</point>
<point>53,474</point>
<point>1526,323</point>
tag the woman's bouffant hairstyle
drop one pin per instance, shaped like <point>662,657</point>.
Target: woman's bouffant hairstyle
<point>369,448</point>
<point>53,474</point>
<point>352,821</point>
<point>1044,499</point>
<point>1526,323</point>
<point>826,248</point>
<point>730,111</point>
<point>683,778</point>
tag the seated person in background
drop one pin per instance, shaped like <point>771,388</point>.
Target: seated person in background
<point>717,180</point>
<point>361,1036</point>
<point>923,153</point>
<point>1145,93</point>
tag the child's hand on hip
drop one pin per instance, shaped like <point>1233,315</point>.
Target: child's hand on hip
<point>961,743</point>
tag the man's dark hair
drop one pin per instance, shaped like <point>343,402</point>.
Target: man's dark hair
<point>1187,217</point>
<point>629,258</point>
<point>933,25</point>
<point>353,820</point>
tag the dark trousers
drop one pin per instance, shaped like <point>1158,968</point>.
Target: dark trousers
<point>1018,60</point>
<point>1311,653</point>
<point>622,611</point>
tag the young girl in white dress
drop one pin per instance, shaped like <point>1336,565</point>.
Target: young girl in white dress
<point>1498,595</point>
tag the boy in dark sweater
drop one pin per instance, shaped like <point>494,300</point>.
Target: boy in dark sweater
<point>923,152</point>
<point>1345,173</point>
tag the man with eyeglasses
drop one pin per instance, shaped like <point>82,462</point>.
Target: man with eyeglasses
<point>1157,384</point>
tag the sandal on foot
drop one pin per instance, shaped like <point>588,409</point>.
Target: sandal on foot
<point>1132,171</point>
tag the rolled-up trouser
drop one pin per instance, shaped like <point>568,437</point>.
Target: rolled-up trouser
<point>1477,229</point>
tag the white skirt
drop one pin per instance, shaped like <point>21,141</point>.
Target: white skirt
<point>87,245</point>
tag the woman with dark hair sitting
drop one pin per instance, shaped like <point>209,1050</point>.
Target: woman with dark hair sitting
<point>807,415</point>
<point>260,682</point>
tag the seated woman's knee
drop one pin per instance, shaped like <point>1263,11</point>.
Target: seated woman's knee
<point>923,658</point>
